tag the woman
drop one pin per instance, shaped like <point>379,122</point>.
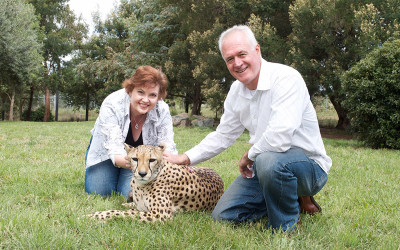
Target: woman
<point>135,115</point>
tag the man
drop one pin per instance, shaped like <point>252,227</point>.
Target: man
<point>287,163</point>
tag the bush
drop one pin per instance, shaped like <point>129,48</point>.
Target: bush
<point>372,89</point>
<point>37,115</point>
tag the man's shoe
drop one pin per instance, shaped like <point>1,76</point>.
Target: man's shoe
<point>308,205</point>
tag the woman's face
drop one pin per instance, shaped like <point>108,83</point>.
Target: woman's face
<point>144,98</point>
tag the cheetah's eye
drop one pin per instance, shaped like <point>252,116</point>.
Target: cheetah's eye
<point>152,160</point>
<point>134,159</point>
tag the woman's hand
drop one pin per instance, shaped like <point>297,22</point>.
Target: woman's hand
<point>122,161</point>
<point>181,159</point>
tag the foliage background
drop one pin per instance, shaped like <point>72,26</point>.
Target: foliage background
<point>321,39</point>
<point>373,89</point>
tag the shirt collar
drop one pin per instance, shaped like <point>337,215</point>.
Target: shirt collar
<point>263,82</point>
<point>152,114</point>
<point>127,103</point>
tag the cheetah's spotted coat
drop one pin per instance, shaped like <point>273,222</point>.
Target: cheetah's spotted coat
<point>160,188</point>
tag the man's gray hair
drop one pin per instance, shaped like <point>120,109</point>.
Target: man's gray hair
<point>241,28</point>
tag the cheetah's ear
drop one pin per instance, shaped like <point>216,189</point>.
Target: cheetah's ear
<point>128,147</point>
<point>162,146</point>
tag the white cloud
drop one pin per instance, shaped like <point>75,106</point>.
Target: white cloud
<point>87,7</point>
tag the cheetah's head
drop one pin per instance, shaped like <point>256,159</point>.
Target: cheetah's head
<point>146,161</point>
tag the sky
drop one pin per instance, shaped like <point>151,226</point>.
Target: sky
<point>87,7</point>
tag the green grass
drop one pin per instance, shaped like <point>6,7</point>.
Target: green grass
<point>43,200</point>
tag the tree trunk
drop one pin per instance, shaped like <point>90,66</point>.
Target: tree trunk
<point>46,117</point>
<point>29,111</point>
<point>2,111</point>
<point>87,107</point>
<point>343,122</point>
<point>12,98</point>
<point>21,107</point>
<point>56,100</point>
<point>186,105</point>
<point>196,102</point>
<point>196,108</point>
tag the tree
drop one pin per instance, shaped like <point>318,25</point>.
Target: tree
<point>203,80</point>
<point>194,63</point>
<point>182,37</point>
<point>107,58</point>
<point>62,35</point>
<point>275,13</point>
<point>273,47</point>
<point>123,42</point>
<point>19,48</point>
<point>329,37</point>
<point>83,83</point>
<point>210,69</point>
<point>136,33</point>
<point>373,96</point>
<point>193,54</point>
<point>88,73</point>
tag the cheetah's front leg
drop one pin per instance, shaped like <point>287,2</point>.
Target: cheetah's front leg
<point>129,204</point>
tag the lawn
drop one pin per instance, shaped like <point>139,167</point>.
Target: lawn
<point>43,200</point>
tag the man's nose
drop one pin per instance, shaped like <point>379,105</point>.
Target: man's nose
<point>237,62</point>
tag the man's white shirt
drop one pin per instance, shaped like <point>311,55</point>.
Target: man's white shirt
<point>279,115</point>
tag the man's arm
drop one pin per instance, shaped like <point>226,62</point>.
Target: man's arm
<point>229,129</point>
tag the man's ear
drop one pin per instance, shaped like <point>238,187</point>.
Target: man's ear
<point>128,147</point>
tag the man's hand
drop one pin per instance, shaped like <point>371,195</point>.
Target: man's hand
<point>181,159</point>
<point>245,164</point>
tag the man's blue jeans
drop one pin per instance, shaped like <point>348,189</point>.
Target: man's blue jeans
<point>105,179</point>
<point>279,179</point>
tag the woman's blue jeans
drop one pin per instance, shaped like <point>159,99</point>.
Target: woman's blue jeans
<point>273,192</point>
<point>106,179</point>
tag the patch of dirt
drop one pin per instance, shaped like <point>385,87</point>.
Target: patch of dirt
<point>332,133</point>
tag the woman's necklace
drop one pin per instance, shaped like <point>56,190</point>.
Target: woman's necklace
<point>137,123</point>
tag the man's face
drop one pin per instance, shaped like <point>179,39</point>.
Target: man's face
<point>242,59</point>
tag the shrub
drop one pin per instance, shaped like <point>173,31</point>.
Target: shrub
<point>36,115</point>
<point>372,89</point>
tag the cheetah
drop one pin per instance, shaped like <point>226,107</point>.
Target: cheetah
<point>160,188</point>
